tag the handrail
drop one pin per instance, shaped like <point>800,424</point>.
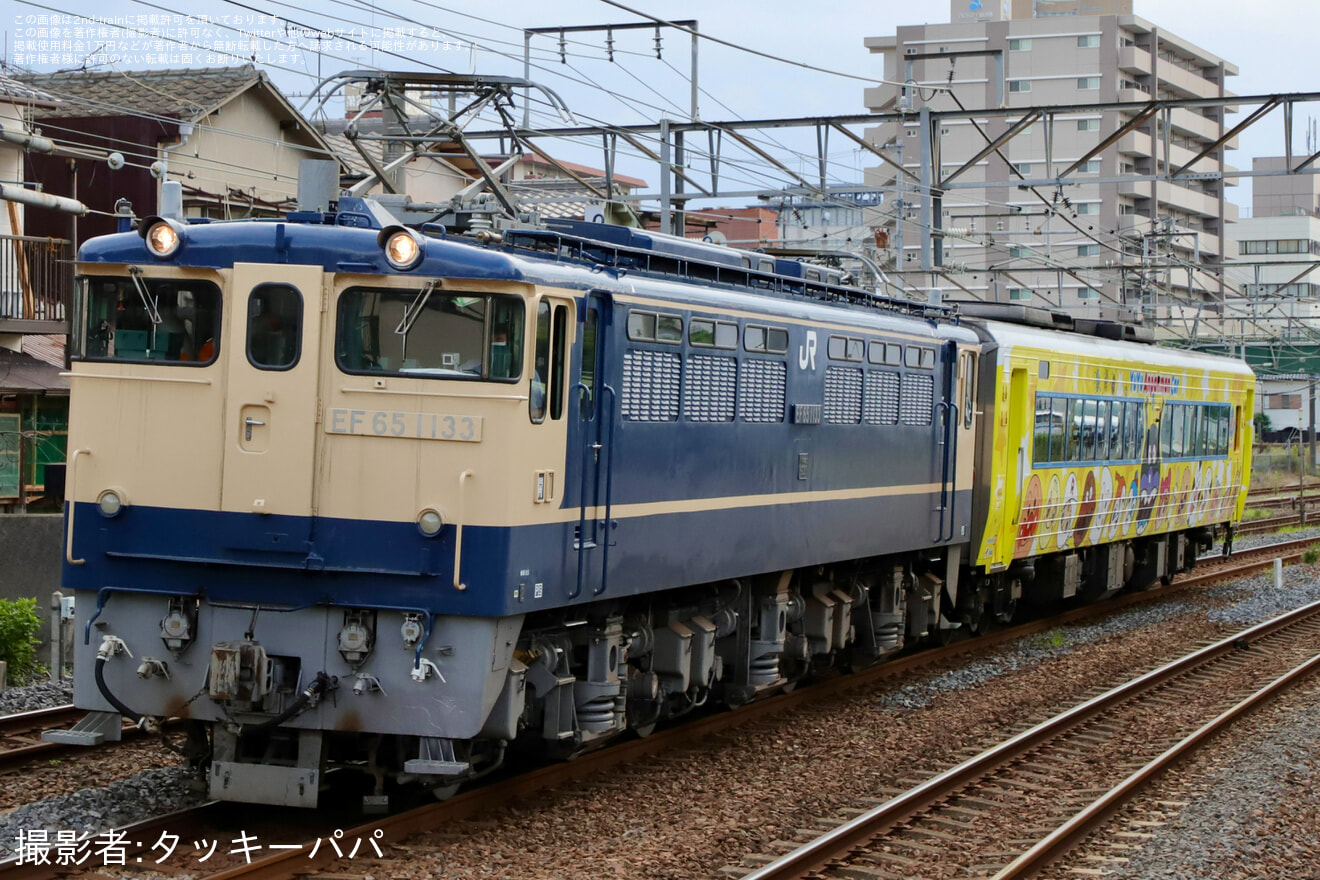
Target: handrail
<point>73,505</point>
<point>609,487</point>
<point>458,533</point>
<point>582,389</point>
<point>169,379</point>
<point>953,470</point>
<point>948,466</point>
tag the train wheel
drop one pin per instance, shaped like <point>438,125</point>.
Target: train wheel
<point>445,792</point>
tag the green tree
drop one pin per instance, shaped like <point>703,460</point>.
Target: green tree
<point>19,625</point>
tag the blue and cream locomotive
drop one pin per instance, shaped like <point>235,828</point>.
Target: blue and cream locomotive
<point>344,492</point>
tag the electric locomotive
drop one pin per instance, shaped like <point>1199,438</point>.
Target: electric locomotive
<point>345,493</point>
<point>348,493</point>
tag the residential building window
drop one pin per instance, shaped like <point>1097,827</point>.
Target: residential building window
<point>1090,167</point>
<point>1285,401</point>
<point>1088,82</point>
<point>1088,41</point>
<point>1019,85</point>
<point>1088,293</point>
<point>1280,246</point>
<point>1017,251</point>
<point>1088,250</point>
<point>1088,125</point>
<point>1019,45</point>
<point>1088,208</point>
<point>1023,168</point>
<point>1019,294</point>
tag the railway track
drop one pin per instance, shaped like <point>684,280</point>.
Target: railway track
<point>1272,523</point>
<point>1009,811</point>
<point>437,815</point>
<point>20,734</point>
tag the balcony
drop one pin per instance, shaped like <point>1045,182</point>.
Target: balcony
<point>1187,122</point>
<point>1134,60</point>
<point>1186,81</point>
<point>880,99</point>
<point>36,279</point>
<point>1137,189</point>
<point>1188,200</point>
<point>1134,143</point>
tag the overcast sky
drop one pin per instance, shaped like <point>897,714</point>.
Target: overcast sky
<point>1273,43</point>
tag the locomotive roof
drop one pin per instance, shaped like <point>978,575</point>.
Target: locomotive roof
<point>340,248</point>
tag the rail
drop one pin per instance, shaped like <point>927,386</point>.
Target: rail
<point>855,834</point>
<point>280,866</point>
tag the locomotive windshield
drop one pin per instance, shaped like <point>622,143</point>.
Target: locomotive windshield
<point>146,319</point>
<point>430,333</point>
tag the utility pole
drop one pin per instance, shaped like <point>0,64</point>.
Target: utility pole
<point>1310,464</point>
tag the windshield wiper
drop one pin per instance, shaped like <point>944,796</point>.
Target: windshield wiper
<point>148,301</point>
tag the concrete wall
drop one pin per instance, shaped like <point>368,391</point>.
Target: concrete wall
<point>31,553</point>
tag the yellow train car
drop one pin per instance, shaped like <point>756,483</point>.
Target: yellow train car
<point>1104,463</point>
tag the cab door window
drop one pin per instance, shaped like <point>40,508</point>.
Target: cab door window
<point>559,355</point>
<point>274,327</point>
<point>541,366</point>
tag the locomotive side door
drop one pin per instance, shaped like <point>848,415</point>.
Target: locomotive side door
<point>595,403</point>
<point>273,340</point>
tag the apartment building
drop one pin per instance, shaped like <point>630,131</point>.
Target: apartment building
<point>1057,245</point>
<point>1273,303</point>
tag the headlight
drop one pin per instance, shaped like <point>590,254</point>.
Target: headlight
<point>403,247</point>
<point>429,522</point>
<point>111,501</point>
<point>163,237</point>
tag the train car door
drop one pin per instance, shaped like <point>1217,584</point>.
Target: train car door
<point>273,341</point>
<point>596,405</point>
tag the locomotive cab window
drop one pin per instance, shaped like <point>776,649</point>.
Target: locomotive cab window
<point>547,381</point>
<point>147,320</point>
<point>540,371</point>
<point>429,333</point>
<point>274,327</point>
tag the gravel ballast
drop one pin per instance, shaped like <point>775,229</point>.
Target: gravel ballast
<point>31,697</point>
<point>688,812</point>
<point>92,810</point>
<point>1248,806</point>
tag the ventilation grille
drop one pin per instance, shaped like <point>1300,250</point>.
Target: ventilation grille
<point>761,391</point>
<point>650,386</point>
<point>880,402</point>
<point>918,398</point>
<point>709,388</point>
<point>843,395</point>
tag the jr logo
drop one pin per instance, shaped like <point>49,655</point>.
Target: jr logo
<point>807,352</point>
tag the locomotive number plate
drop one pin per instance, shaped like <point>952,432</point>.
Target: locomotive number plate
<point>407,425</point>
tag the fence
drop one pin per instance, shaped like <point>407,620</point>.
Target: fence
<point>1279,463</point>
<point>36,277</point>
